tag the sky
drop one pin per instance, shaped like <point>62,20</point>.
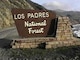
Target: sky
<point>67,5</point>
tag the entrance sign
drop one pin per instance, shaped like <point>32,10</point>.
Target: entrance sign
<point>33,23</point>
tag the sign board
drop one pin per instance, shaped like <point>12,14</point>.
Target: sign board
<point>32,23</point>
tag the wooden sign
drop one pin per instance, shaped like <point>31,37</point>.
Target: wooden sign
<point>32,23</point>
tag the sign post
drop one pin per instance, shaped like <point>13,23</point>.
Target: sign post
<point>32,23</point>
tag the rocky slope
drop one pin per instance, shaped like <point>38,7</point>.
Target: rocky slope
<point>6,19</point>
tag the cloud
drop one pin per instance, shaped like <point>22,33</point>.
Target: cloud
<point>57,5</point>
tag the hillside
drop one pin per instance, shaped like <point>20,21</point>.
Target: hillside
<point>6,19</point>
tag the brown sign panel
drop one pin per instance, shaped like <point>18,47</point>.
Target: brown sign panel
<point>32,23</point>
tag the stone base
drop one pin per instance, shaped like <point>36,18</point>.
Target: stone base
<point>64,37</point>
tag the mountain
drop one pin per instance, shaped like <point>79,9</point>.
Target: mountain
<point>6,19</point>
<point>73,15</point>
<point>59,10</point>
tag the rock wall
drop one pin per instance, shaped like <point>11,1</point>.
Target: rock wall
<point>64,31</point>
